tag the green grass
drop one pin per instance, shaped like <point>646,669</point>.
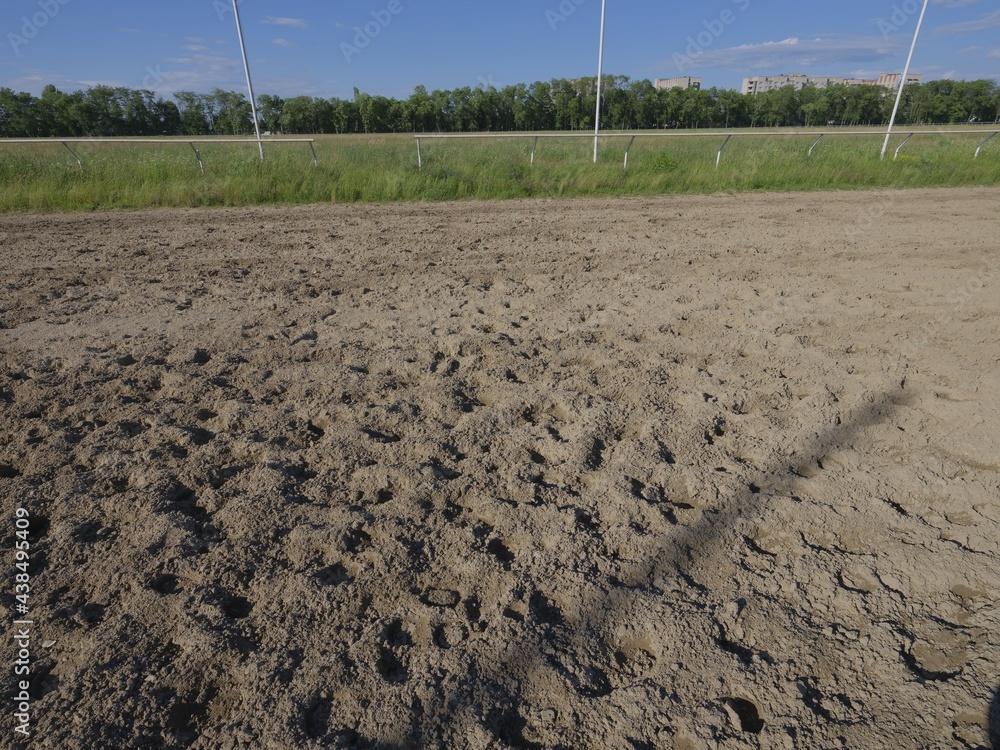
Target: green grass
<point>383,168</point>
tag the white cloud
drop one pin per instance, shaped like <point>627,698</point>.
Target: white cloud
<point>283,43</point>
<point>105,82</point>
<point>199,72</point>
<point>34,80</point>
<point>289,86</point>
<point>794,53</point>
<point>987,22</point>
<point>295,23</point>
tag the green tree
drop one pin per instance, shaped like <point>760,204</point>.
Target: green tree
<point>194,118</point>
<point>167,117</point>
<point>298,116</point>
<point>106,110</point>
<point>232,114</point>
<point>734,110</point>
<point>18,115</point>
<point>562,104</point>
<point>345,116</point>
<point>421,110</point>
<point>138,110</point>
<point>269,109</point>
<point>323,116</point>
<point>643,101</point>
<point>540,107</point>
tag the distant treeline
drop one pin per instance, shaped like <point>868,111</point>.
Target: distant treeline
<point>560,104</point>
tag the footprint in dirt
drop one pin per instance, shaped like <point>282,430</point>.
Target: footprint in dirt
<point>9,472</point>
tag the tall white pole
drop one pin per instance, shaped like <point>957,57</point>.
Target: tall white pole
<point>902,82</point>
<point>600,73</point>
<point>246,67</point>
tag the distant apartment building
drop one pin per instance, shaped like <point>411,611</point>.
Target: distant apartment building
<point>891,80</point>
<point>760,84</point>
<point>684,82</point>
<point>824,81</point>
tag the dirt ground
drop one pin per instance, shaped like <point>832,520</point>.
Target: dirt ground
<point>681,472</point>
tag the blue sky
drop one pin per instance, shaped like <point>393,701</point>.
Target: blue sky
<point>326,48</point>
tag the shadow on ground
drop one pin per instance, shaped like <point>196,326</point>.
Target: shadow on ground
<point>995,721</point>
<point>488,691</point>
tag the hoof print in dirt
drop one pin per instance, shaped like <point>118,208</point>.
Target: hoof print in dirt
<point>9,472</point>
<point>450,635</point>
<point>165,583</point>
<point>356,540</point>
<point>939,658</point>
<point>334,575</point>
<point>545,611</point>
<point>200,357</point>
<point>391,667</point>
<point>435,597</point>
<point>316,719</point>
<point>501,552</point>
<point>743,714</point>
<point>236,607</point>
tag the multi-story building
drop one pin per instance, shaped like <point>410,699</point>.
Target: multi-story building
<point>760,84</point>
<point>822,82</point>
<point>684,82</point>
<point>891,80</point>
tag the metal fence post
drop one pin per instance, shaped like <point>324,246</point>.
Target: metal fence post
<point>718,159</point>
<point>74,155</point>
<point>197,154</point>
<point>905,140</point>
<point>815,144</point>
<point>627,149</point>
<point>984,143</point>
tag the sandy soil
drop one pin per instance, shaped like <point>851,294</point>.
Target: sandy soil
<point>683,473</point>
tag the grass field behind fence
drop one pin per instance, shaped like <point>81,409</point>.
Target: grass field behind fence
<point>382,168</point>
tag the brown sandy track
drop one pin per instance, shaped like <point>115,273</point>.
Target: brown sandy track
<point>698,472</point>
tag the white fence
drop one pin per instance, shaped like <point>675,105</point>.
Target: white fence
<point>177,141</point>
<point>726,136</point>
